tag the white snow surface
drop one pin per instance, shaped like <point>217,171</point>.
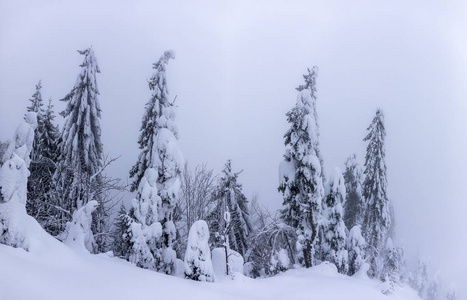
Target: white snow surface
<point>51,271</point>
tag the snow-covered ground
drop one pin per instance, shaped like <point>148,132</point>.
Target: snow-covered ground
<point>52,270</point>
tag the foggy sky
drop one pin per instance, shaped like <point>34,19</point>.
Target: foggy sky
<point>235,75</point>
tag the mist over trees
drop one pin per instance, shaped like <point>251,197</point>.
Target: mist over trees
<point>346,219</point>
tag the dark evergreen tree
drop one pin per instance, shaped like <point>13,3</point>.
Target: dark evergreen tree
<point>122,243</point>
<point>50,134</point>
<point>37,107</point>
<point>354,203</point>
<point>301,180</point>
<point>229,198</point>
<point>40,204</point>
<point>78,175</point>
<point>377,217</point>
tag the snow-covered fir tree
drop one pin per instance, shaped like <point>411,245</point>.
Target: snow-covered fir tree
<point>451,295</point>
<point>419,281</point>
<point>160,113</point>
<point>121,245</point>
<point>434,286</point>
<point>229,198</point>
<point>50,134</point>
<point>377,217</point>
<point>356,247</point>
<point>392,265</point>
<point>147,211</point>
<point>198,264</point>
<point>333,245</point>
<point>13,185</point>
<point>41,203</point>
<point>81,151</point>
<point>354,203</point>
<point>159,145</point>
<point>36,106</point>
<point>300,173</point>
<point>310,85</point>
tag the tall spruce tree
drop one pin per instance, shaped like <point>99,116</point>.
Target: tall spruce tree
<point>333,246</point>
<point>229,198</point>
<point>50,134</point>
<point>41,204</point>
<point>37,107</point>
<point>81,151</point>
<point>354,203</point>
<point>377,217</point>
<point>301,180</point>
<point>310,85</point>
<point>158,142</point>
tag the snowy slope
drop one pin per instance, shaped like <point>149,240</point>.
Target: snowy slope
<point>53,271</point>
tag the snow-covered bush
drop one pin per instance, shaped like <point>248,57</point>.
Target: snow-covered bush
<point>280,261</point>
<point>198,264</point>
<point>13,184</point>
<point>78,234</point>
<point>13,187</point>
<point>266,242</point>
<point>333,245</point>
<point>140,254</point>
<point>23,139</point>
<point>356,248</point>
<point>219,262</point>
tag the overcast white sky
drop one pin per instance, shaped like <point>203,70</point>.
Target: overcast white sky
<point>236,69</point>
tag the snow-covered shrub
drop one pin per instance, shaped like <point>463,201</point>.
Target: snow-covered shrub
<point>266,242</point>
<point>198,264</point>
<point>78,232</point>
<point>13,188</point>
<point>356,248</point>
<point>23,139</point>
<point>140,254</point>
<point>333,245</point>
<point>393,264</point>
<point>219,262</point>
<point>280,261</point>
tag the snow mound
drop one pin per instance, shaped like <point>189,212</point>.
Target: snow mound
<point>363,272</point>
<point>326,268</point>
